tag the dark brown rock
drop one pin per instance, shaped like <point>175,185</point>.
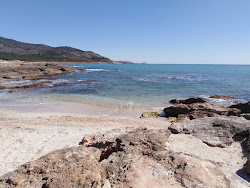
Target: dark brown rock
<point>246,167</point>
<point>199,110</point>
<point>246,144</point>
<point>244,107</point>
<point>188,101</point>
<point>221,97</point>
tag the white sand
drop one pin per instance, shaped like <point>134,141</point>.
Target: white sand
<point>28,136</point>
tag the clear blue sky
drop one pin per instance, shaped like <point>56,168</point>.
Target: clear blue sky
<point>153,31</point>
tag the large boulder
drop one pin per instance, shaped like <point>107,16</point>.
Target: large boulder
<point>199,110</point>
<point>215,131</point>
<point>244,107</point>
<point>74,167</point>
<point>138,158</point>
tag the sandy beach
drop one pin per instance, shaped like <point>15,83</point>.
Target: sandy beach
<point>26,136</point>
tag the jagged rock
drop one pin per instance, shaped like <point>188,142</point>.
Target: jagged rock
<point>150,115</point>
<point>199,110</point>
<point>244,107</point>
<point>187,101</point>
<point>246,166</point>
<point>136,159</point>
<point>216,131</point>
<point>74,167</point>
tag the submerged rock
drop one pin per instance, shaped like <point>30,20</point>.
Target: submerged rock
<point>136,159</point>
<point>222,97</point>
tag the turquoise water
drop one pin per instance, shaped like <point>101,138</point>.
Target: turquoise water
<point>148,85</point>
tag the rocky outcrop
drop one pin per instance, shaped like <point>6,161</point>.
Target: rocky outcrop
<point>199,110</point>
<point>216,131</point>
<point>136,159</point>
<point>244,107</point>
<point>187,101</point>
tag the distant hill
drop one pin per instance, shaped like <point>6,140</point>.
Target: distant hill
<point>15,50</point>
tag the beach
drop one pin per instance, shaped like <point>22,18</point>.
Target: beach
<point>27,136</point>
<point>36,122</point>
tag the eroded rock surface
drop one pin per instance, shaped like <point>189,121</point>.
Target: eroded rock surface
<point>216,131</point>
<point>135,159</point>
<point>199,110</point>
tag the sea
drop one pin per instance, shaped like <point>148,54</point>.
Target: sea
<point>134,86</point>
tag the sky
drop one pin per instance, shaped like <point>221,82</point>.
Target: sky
<point>152,31</point>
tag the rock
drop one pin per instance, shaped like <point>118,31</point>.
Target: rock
<point>246,144</point>
<point>246,116</point>
<point>150,115</point>
<point>138,158</point>
<point>244,107</point>
<point>188,101</point>
<point>62,84</point>
<point>221,97</point>
<point>174,111</point>
<point>74,167</point>
<point>246,167</point>
<point>199,110</point>
<point>216,131</point>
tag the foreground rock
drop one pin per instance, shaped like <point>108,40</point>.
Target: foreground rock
<point>136,159</point>
<point>216,131</point>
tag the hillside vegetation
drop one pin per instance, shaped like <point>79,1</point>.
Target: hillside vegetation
<point>15,50</point>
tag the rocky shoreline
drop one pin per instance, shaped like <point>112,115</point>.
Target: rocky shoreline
<point>140,157</point>
<point>40,73</point>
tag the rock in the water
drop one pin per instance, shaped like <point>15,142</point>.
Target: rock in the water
<point>136,159</point>
<point>244,107</point>
<point>221,97</point>
<point>216,131</point>
<point>188,101</point>
<point>150,115</point>
<point>246,166</point>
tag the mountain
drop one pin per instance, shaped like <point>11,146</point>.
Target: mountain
<point>15,50</point>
